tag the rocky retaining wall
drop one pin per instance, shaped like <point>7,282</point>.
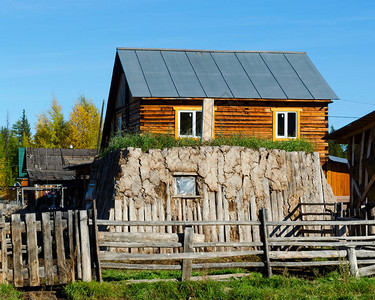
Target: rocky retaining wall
<point>232,183</point>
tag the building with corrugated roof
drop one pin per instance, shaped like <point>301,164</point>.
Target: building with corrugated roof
<point>275,95</point>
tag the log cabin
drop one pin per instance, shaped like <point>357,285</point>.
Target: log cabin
<point>273,95</point>
<point>359,136</point>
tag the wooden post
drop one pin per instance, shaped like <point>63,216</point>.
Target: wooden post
<point>32,249</point>
<point>17,250</point>
<point>4,257</point>
<point>353,265</point>
<point>85,246</point>
<point>207,119</point>
<point>264,236</point>
<point>77,244</point>
<point>47,248</point>
<point>60,249</point>
<point>188,247</point>
<point>96,244</point>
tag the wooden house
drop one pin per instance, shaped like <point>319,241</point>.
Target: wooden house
<point>359,135</point>
<point>276,95</point>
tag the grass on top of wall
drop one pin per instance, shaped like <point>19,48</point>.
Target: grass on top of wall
<point>149,141</point>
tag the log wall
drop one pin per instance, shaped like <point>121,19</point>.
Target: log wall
<point>245,117</point>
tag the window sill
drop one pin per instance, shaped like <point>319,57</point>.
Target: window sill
<point>187,197</point>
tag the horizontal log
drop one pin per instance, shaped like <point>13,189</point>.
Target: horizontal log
<point>307,254</point>
<point>145,237</point>
<point>365,253</point>
<point>139,245</point>
<point>321,239</point>
<point>229,244</point>
<point>175,223</point>
<point>252,264</point>
<point>319,223</point>
<point>322,244</point>
<point>139,266</point>
<point>108,256</point>
<point>367,271</point>
<point>307,263</point>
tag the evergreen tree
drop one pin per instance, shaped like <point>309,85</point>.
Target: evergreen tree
<point>22,131</point>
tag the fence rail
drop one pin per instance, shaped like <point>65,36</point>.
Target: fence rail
<point>278,247</point>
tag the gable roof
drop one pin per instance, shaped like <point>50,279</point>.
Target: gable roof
<point>172,73</point>
<point>343,135</point>
<point>48,164</point>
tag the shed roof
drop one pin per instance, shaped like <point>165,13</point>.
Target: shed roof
<point>344,134</point>
<point>175,73</point>
<point>48,164</point>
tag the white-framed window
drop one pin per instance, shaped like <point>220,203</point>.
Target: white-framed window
<point>185,186</point>
<point>189,123</point>
<point>286,124</point>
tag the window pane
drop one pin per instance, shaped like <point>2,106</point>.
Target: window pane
<point>280,124</point>
<point>292,124</point>
<point>185,185</point>
<point>186,123</point>
<point>198,123</point>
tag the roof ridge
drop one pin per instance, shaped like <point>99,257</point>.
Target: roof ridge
<point>201,50</point>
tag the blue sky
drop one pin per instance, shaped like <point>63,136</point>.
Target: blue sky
<point>67,48</point>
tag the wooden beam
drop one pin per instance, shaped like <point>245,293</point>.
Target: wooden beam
<point>367,189</point>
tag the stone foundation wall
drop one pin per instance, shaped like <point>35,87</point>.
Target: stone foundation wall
<point>233,183</point>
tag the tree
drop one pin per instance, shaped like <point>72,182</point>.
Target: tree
<point>336,149</point>
<point>84,124</point>
<point>52,131</point>
<point>22,131</point>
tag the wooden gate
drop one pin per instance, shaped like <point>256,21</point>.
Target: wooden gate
<point>45,248</point>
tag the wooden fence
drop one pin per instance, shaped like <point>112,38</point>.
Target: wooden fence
<point>283,244</point>
<point>45,249</point>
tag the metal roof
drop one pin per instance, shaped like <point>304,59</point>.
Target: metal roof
<point>338,159</point>
<point>343,135</point>
<point>174,73</point>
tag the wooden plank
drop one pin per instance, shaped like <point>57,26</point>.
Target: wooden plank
<point>77,244</point>
<point>32,249</point>
<point>111,256</point>
<point>145,237</point>
<point>47,248</point>
<point>300,264</point>
<point>188,248</point>
<point>85,246</point>
<point>307,254</point>
<point>179,223</point>
<point>62,270</point>
<point>140,266</point>
<point>95,242</point>
<point>367,189</point>
<point>4,256</point>
<point>17,250</point>
<point>220,214</point>
<point>254,217</point>
<point>71,240</point>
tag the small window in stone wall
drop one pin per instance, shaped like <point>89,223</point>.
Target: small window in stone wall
<point>185,186</point>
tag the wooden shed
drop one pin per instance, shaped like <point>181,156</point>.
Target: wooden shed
<point>276,95</point>
<point>359,135</point>
<point>337,173</point>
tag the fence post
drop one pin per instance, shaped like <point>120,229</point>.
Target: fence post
<point>188,247</point>
<point>353,265</point>
<point>4,256</point>
<point>264,235</point>
<point>96,244</point>
<point>85,246</point>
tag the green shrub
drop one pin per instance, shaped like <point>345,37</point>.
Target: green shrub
<point>9,292</point>
<point>149,141</point>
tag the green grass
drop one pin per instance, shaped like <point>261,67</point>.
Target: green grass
<point>149,141</point>
<point>9,292</point>
<point>254,286</point>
